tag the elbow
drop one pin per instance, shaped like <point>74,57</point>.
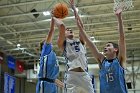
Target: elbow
<point>62,26</point>
<point>62,29</point>
<point>60,46</point>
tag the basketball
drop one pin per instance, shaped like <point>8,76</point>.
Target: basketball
<point>60,10</point>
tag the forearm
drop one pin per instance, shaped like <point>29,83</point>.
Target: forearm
<point>79,22</point>
<point>120,26</point>
<point>77,16</point>
<point>61,35</point>
<point>58,22</point>
<point>51,32</point>
<point>91,46</point>
<point>121,32</point>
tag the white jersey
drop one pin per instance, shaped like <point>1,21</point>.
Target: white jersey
<point>75,54</point>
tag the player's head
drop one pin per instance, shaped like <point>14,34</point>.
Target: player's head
<point>69,33</point>
<point>41,45</point>
<point>111,48</point>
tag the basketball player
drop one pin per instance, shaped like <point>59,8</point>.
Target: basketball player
<point>49,67</point>
<point>112,63</point>
<point>77,79</point>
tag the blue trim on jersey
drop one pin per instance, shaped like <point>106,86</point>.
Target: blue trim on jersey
<point>67,59</point>
<point>48,57</point>
<point>49,68</point>
<point>46,87</point>
<point>46,49</point>
<point>65,53</point>
<point>112,77</point>
<point>46,66</point>
<point>43,86</point>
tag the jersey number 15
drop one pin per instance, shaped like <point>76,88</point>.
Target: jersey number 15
<point>109,77</point>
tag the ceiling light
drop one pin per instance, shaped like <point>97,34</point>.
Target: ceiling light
<point>92,37</point>
<point>18,45</point>
<point>48,20</point>
<point>46,13</point>
<point>94,40</point>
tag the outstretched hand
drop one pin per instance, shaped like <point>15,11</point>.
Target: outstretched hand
<point>52,13</point>
<point>120,9</point>
<point>59,83</point>
<point>74,8</point>
<point>72,4</point>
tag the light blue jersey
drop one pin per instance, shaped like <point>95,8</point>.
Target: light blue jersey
<point>112,77</point>
<point>48,72</point>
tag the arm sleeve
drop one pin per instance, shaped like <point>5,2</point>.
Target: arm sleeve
<point>46,49</point>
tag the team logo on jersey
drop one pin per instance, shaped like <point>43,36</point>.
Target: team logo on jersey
<point>76,46</point>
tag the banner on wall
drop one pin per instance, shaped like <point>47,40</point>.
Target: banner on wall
<point>11,62</point>
<point>9,83</point>
<point>1,57</point>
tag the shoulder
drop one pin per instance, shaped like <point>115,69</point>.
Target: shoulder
<point>102,62</point>
<point>48,45</point>
<point>122,62</point>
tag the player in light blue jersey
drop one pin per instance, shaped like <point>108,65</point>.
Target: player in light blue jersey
<point>49,68</point>
<point>112,62</point>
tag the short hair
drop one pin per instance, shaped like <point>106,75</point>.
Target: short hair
<point>68,28</point>
<point>41,45</point>
<point>115,45</point>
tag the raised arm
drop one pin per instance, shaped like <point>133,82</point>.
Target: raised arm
<point>61,36</point>
<point>98,56</point>
<point>75,13</point>
<point>80,21</point>
<point>121,43</point>
<point>51,32</point>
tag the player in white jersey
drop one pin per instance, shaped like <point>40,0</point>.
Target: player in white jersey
<point>77,79</point>
<point>75,53</point>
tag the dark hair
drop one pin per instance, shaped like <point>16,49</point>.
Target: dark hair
<point>41,45</point>
<point>115,46</point>
<point>68,29</point>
